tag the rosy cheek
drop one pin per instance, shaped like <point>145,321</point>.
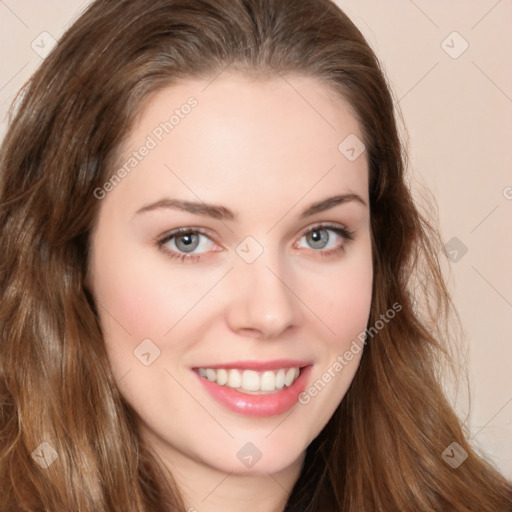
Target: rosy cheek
<point>349,307</point>
<point>142,308</point>
<point>149,301</point>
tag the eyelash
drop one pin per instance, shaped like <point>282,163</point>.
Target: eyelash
<point>347,235</point>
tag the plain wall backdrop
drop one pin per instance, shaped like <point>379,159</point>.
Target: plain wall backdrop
<point>448,64</point>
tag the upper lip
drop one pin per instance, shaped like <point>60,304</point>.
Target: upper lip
<point>260,365</point>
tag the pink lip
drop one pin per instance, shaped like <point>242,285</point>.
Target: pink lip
<point>276,364</point>
<point>258,405</point>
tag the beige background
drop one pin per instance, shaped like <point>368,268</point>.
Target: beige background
<point>457,109</point>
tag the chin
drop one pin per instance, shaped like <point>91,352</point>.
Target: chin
<point>257,458</point>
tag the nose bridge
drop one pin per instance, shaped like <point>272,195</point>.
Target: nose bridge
<point>263,302</point>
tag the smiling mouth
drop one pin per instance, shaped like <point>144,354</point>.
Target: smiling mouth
<point>252,382</point>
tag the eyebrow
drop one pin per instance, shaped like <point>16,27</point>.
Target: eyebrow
<point>223,213</point>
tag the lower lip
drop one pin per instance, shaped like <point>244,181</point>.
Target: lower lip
<point>258,405</point>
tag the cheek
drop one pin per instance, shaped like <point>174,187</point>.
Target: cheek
<point>343,304</point>
<point>129,297</point>
<point>145,307</point>
<point>342,300</point>
<point>140,299</point>
<point>350,306</point>
<point>133,291</point>
<point>131,302</point>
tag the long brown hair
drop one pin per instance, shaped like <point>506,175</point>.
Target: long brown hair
<point>382,449</point>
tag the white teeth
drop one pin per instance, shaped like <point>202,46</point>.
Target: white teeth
<point>290,376</point>
<point>222,376</point>
<point>268,381</point>
<point>250,380</point>
<point>280,379</point>
<point>235,379</point>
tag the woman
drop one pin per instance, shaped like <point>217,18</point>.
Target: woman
<point>207,282</point>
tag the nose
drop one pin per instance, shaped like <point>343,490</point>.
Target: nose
<point>263,302</point>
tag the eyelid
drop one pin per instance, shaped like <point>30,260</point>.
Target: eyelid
<point>164,238</point>
<point>340,229</point>
<point>328,225</point>
<point>204,231</point>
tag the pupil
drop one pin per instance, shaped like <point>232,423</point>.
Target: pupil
<point>318,238</point>
<point>187,242</point>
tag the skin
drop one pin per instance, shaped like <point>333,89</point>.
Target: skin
<point>267,150</point>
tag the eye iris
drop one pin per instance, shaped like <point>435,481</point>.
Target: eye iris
<point>320,237</point>
<point>190,240</point>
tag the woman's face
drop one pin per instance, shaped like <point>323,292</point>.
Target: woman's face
<point>262,283</point>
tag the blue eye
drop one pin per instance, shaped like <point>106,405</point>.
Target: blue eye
<point>181,244</point>
<point>325,239</point>
<point>320,240</point>
<point>187,243</point>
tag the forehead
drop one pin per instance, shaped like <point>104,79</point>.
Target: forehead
<point>281,137</point>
